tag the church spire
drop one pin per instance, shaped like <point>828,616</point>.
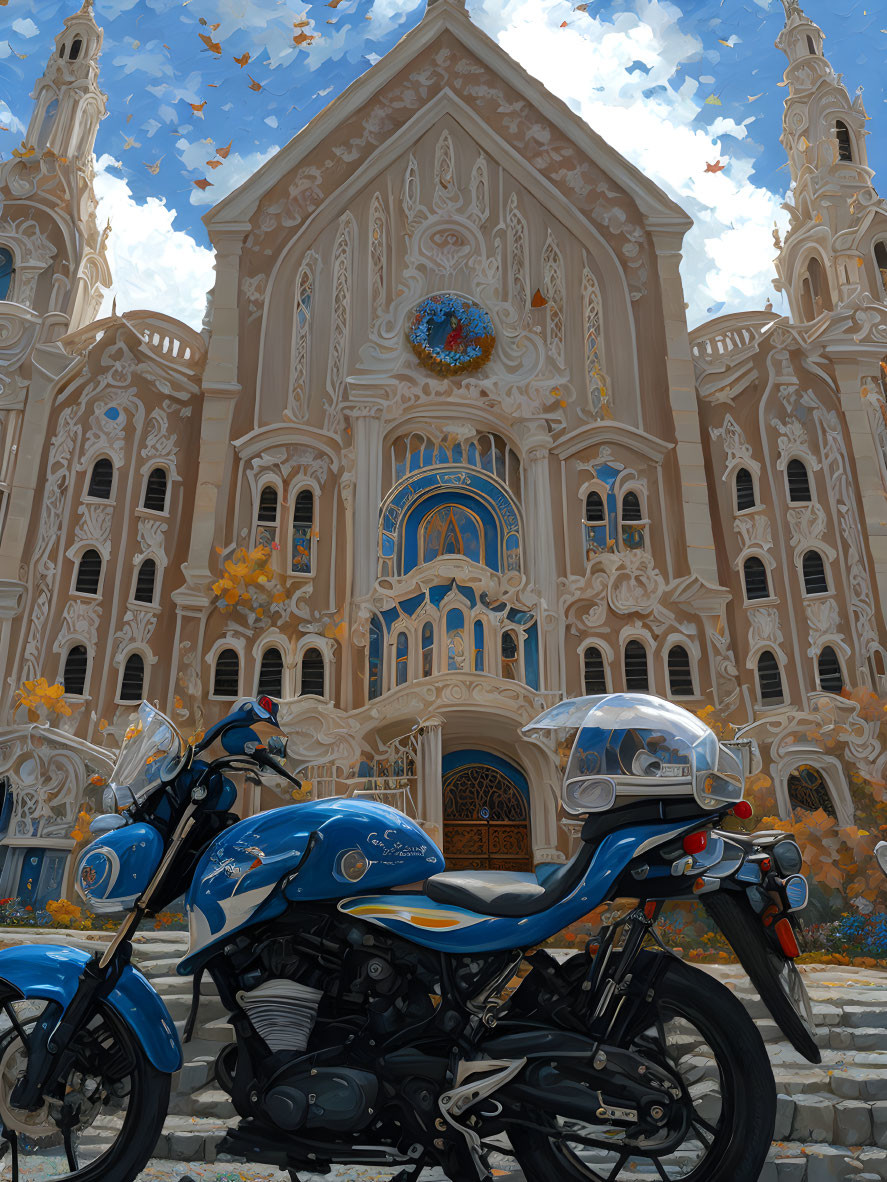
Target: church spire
<point>823,134</point>
<point>68,104</point>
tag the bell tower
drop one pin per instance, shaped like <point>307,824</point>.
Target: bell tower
<point>68,104</point>
<point>828,256</point>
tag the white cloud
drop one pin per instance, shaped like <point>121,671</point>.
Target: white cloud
<point>152,265</point>
<point>9,120</point>
<point>728,254</point>
<point>25,27</point>
<point>226,179</point>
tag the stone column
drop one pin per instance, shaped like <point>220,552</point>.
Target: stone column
<point>366,434</point>
<point>869,481</point>
<point>539,554</point>
<point>430,776</point>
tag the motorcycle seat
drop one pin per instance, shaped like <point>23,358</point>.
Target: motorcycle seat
<point>506,894</point>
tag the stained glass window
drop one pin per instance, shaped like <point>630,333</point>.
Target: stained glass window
<point>266,518</point>
<point>807,791</point>
<point>375,658</point>
<point>478,646</point>
<point>427,649</point>
<point>401,659</point>
<point>452,530</point>
<point>7,270</point>
<point>510,656</point>
<point>303,527</point>
<point>455,639</point>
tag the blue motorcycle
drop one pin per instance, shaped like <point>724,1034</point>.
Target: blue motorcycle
<point>387,1012</point>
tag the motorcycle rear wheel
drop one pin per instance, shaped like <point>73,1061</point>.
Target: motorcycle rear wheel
<point>119,1098</point>
<point>739,1138</point>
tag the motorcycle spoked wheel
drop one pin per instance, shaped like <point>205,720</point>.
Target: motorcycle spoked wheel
<point>704,1035</point>
<point>108,1111</point>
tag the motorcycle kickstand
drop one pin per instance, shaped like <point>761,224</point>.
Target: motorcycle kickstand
<point>11,1139</point>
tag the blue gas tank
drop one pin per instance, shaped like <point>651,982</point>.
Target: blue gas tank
<point>329,849</point>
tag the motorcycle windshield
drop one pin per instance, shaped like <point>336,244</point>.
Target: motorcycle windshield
<point>151,745</point>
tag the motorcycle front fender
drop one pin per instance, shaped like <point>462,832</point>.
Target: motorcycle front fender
<point>51,972</point>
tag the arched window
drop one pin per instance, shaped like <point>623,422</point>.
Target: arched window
<point>798,481</point>
<point>271,673</point>
<point>807,791</point>
<point>155,491</point>
<point>811,45</point>
<point>303,528</point>
<point>478,646</point>
<point>376,668</point>
<point>76,46</point>
<point>455,639</point>
<point>636,674</point>
<point>595,674</point>
<point>819,292</point>
<point>632,529</point>
<point>769,678</point>
<point>680,673</point>
<point>831,678</point>
<point>755,575</point>
<point>509,655</point>
<point>74,676</point>
<point>427,649</point>
<point>89,573</point>
<point>145,580</point>
<point>132,683</point>
<point>594,508</point>
<point>815,582</point>
<point>880,263</point>
<point>226,682</point>
<point>313,673</point>
<point>745,490</point>
<point>401,658</point>
<point>7,271</point>
<point>845,144</point>
<point>101,480</point>
<point>266,518</point>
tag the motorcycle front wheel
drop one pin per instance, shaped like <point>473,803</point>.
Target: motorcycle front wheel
<point>704,1035</point>
<point>99,1122</point>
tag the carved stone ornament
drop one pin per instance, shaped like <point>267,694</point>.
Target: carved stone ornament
<point>807,524</point>
<point>793,441</point>
<point>635,585</point>
<point>736,447</point>
<point>824,620</point>
<point>292,462</point>
<point>80,621</point>
<point>47,771</point>
<point>138,628</point>
<point>754,532</point>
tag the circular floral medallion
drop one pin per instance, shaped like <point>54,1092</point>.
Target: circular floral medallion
<point>450,334</point>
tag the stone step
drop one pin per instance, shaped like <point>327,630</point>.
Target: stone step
<point>217,1031</point>
<point>208,1103</point>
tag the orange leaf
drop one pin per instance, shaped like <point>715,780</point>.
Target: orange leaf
<point>538,300</point>
<point>253,85</point>
<point>242,60</point>
<point>203,183</point>
<point>212,46</point>
<point>214,163</point>
<point>197,108</point>
<point>223,152</point>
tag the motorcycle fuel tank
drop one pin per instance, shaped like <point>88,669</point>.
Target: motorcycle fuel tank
<point>328,849</point>
<point>114,869</point>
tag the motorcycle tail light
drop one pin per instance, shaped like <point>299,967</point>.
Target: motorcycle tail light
<point>267,704</point>
<point>695,843</point>
<point>743,810</point>
<point>786,936</point>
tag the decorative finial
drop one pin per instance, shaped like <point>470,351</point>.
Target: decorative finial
<point>792,8</point>
<point>114,306</point>
<point>86,7</point>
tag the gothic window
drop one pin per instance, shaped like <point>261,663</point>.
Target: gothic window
<point>594,671</point>
<point>594,508</point>
<point>427,649</point>
<point>7,271</point>
<point>478,646</point>
<point>811,45</point>
<point>553,284</point>
<point>817,297</point>
<point>769,678</point>
<point>632,522</point>
<point>132,683</point>
<point>807,791</point>
<point>509,656</point>
<point>226,682</point>
<point>76,46</point>
<point>271,673</point>
<point>74,676</point>
<point>680,673</point>
<point>591,297</point>
<point>303,528</point>
<point>455,639</point>
<point>378,254</point>
<point>401,658</point>
<point>595,524</point>
<point>815,581</point>
<point>798,482</point>
<point>313,673</point>
<point>341,279</point>
<point>636,674</point>
<point>266,518</point>
<point>145,581</point>
<point>452,530</point>
<point>304,292</point>
<point>757,585</point>
<point>375,658</point>
<point>745,490</point>
<point>845,146</point>
<point>831,678</point>
<point>517,248</point>
<point>101,480</point>
<point>880,263</point>
<point>155,491</point>
<point>89,573</point>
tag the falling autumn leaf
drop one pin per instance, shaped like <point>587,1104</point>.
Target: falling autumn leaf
<point>212,46</point>
<point>223,152</point>
<point>714,101</point>
<point>153,168</point>
<point>538,300</point>
<point>241,61</point>
<point>25,151</point>
<point>723,42</point>
<point>197,108</point>
<point>214,163</point>
<point>716,167</point>
<point>334,3</point>
<point>564,24</point>
<point>203,183</point>
<point>753,98</point>
<point>217,25</point>
<point>303,39</point>
<point>253,85</point>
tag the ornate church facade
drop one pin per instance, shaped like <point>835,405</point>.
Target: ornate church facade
<point>443,453</point>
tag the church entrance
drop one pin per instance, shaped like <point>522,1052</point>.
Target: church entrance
<point>486,813</point>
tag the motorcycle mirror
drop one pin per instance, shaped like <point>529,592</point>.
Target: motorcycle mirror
<point>881,855</point>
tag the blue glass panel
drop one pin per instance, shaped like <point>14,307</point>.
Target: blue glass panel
<point>512,552</point>
<point>531,657</point>
<point>478,647</point>
<point>6,262</point>
<point>387,546</point>
<point>455,639</point>
<point>467,593</point>
<point>457,453</point>
<point>408,606</point>
<point>436,594</point>
<point>389,616</point>
<point>375,670</point>
<point>427,649</point>
<point>452,530</point>
<point>402,654</point>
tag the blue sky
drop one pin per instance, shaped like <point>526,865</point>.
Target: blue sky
<point>673,86</point>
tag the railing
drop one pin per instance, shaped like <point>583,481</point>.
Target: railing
<point>708,347</point>
<point>168,339</point>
